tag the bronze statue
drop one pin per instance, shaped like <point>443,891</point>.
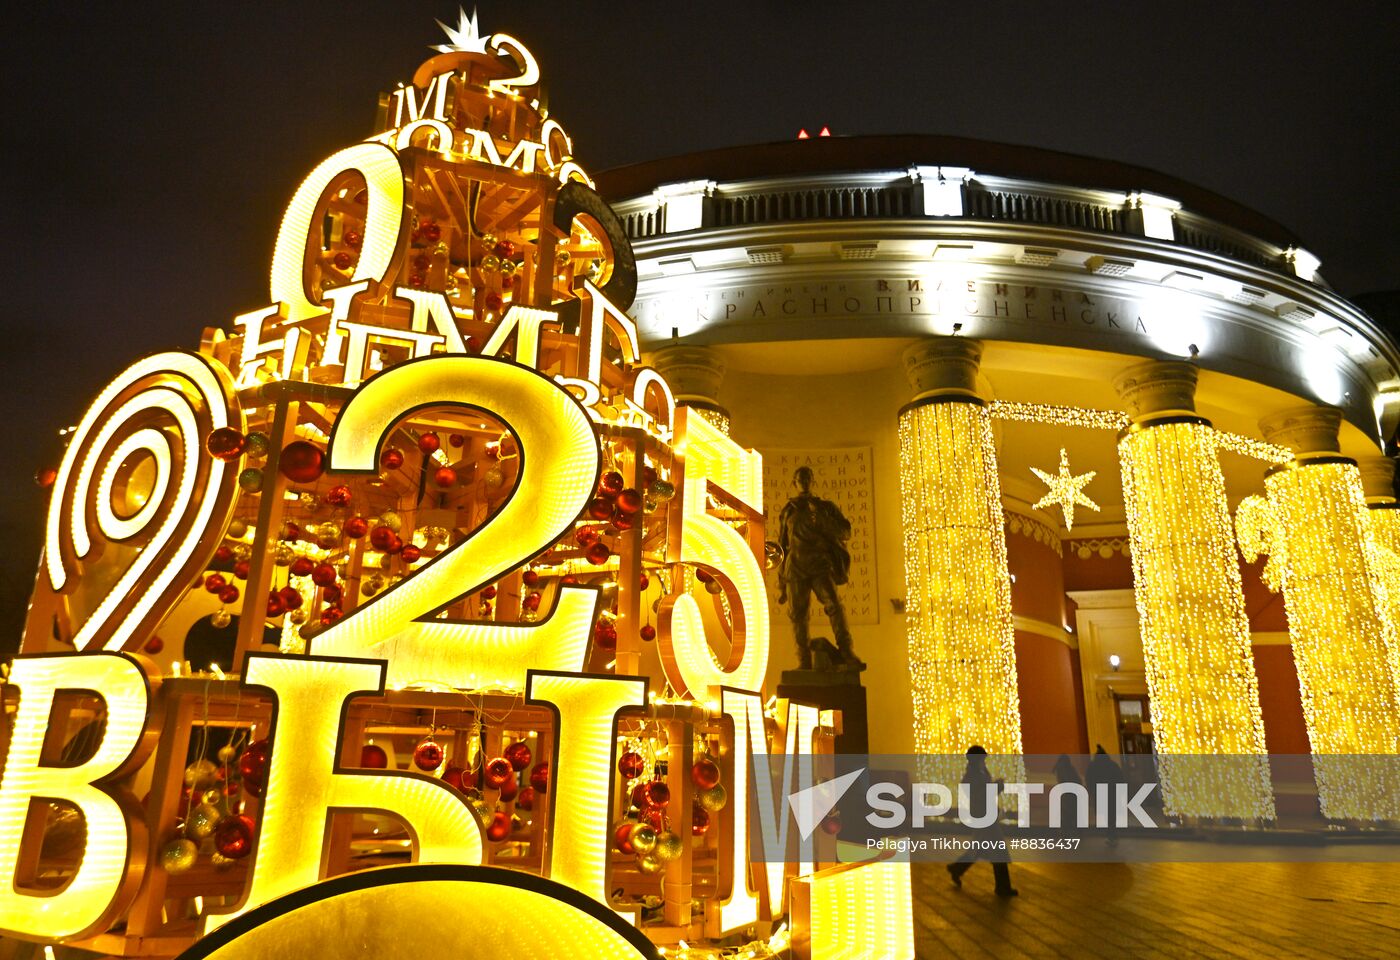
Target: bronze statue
<point>812,535</point>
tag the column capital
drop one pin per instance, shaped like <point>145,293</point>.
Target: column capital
<point>942,366</point>
<point>695,373</point>
<point>1158,387</point>
<point>1377,478</point>
<point>1304,430</point>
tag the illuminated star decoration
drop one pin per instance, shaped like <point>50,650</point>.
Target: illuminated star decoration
<point>465,37</point>
<point>1065,489</point>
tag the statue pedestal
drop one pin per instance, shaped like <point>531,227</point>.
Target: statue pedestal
<point>832,690</point>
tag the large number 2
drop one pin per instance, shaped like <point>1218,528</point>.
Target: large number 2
<point>559,465</point>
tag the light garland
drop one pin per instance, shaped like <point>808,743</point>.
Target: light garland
<point>1343,642</point>
<point>1250,447</point>
<point>1195,631</point>
<point>962,651</point>
<point>1059,416</point>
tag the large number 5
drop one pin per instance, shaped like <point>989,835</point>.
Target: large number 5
<point>559,464</point>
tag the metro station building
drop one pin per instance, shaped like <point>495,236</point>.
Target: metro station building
<point>807,292</point>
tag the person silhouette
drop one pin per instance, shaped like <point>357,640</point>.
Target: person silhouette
<point>812,533</point>
<point>1103,770</point>
<point>989,841</point>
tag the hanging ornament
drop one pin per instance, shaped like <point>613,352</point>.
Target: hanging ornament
<point>598,553</point>
<point>1066,490</point>
<point>530,578</point>
<point>352,239</point>
<point>497,771</point>
<point>622,837</point>
<point>643,838</point>
<point>259,444</point>
<point>704,773</point>
<point>154,645</point>
<point>410,553</point>
<point>623,521</point>
<point>526,800</point>
<point>647,633</point>
<point>356,527</point>
<point>215,582</point>
<point>339,496</point>
<point>650,864</point>
<point>302,462</point>
<point>452,775</point>
<point>499,827</point>
<point>223,553</point>
<point>429,443</point>
<point>202,820</point>
<point>488,592</point>
<point>302,567</point>
<point>662,490</point>
<point>201,774</point>
<point>283,555</point>
<point>631,765</point>
<point>178,855</point>
<point>445,477</point>
<point>323,575</point>
<point>611,484</point>
<point>391,459</point>
<point>220,618</point>
<point>539,778</point>
<point>226,444</point>
<point>699,820</point>
<point>629,501</point>
<point>381,538</point>
<point>494,478</point>
<point>372,755</point>
<point>456,439</point>
<point>342,260</point>
<point>713,799</point>
<point>251,480</point>
<point>669,846</point>
<point>600,508</point>
<point>227,754</point>
<point>330,615</point>
<point>291,598</point>
<point>518,754</point>
<point>605,635</point>
<point>275,606</point>
<point>509,790</point>
<point>229,594</point>
<point>427,756</point>
<point>639,797</point>
<point>233,837</point>
<point>531,601</point>
<point>252,762</point>
<point>831,824</point>
<point>658,794</point>
<point>45,476</point>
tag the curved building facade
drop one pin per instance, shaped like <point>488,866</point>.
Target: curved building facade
<point>954,335</point>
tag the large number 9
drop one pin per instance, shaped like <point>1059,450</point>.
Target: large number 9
<point>559,464</point>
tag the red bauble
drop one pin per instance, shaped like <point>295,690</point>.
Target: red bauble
<point>381,537</point>
<point>452,776</point>
<point>631,765</point>
<point>509,790</point>
<point>629,501</point>
<point>605,635</point>
<point>229,594</point>
<point>600,508</point>
<point>410,553</point>
<point>493,301</point>
<point>639,797</point>
<point>223,554</point>
<point>456,439</point>
<point>656,817</point>
<point>356,527</point>
<point>215,582</point>
<point>643,581</point>
<point>518,753</point>
<point>431,231</point>
<point>233,837</point>
<point>395,545</point>
<point>526,799</point>
<point>539,778</point>
<point>302,462</point>
<point>488,592</point>
<point>331,594</point>
<point>421,261</point>
<point>530,578</point>
<point>330,615</point>
<point>504,248</point>
<point>699,820</point>
<point>831,824</point>
<point>585,536</point>
<point>623,521</point>
<point>703,575</point>
<point>226,443</point>
<point>598,553</point>
<point>611,483</point>
<point>499,827</point>
<point>290,532</point>
<point>275,606</point>
<point>45,476</point>
<point>339,496</point>
<point>648,474</point>
<point>531,601</point>
<point>416,280</point>
<point>291,598</point>
<point>427,756</point>
<point>372,755</point>
<point>497,771</point>
<point>323,575</point>
<point>252,762</point>
<point>622,838</point>
<point>647,633</point>
<point>352,239</point>
<point>302,567</point>
<point>429,442</point>
<point>658,795</point>
<point>705,773</point>
<point>445,477</point>
<point>391,459</point>
<point>342,260</point>
<point>154,645</point>
<point>241,568</point>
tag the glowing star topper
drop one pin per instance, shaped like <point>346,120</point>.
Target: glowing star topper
<point>1065,489</point>
<point>466,37</point>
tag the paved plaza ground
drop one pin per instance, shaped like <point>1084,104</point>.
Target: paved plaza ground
<point>1167,910</point>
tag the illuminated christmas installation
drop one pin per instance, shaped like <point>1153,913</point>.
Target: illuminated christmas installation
<point>472,562</point>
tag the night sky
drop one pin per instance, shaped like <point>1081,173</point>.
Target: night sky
<point>150,149</point>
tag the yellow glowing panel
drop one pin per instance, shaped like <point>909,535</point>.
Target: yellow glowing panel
<point>711,456</point>
<point>858,912</point>
<point>1344,643</point>
<point>504,43</point>
<point>581,774</point>
<point>305,784</point>
<point>300,229</point>
<point>432,305</point>
<point>741,909</point>
<point>559,464</point>
<point>962,651</point>
<point>527,320</point>
<point>190,396</point>
<point>598,314</point>
<point>772,808</point>
<point>1195,631</point>
<point>101,888</point>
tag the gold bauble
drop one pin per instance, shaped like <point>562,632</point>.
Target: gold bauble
<point>202,820</point>
<point>297,616</point>
<point>200,774</point>
<point>669,846</point>
<point>178,855</point>
<point>213,796</point>
<point>644,838</point>
<point>227,754</point>
<point>220,861</point>
<point>237,529</point>
<point>220,618</point>
<point>391,520</point>
<point>241,551</point>
<point>650,864</point>
<point>712,799</point>
<point>283,555</point>
<point>495,477</point>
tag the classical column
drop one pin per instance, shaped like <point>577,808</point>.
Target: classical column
<point>1343,640</point>
<point>1186,580</point>
<point>695,375</point>
<point>962,652</point>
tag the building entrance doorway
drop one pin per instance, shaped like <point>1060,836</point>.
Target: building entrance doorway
<point>1134,713</point>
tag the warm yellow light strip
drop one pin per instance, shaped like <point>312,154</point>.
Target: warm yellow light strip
<point>559,463</point>
<point>711,456</point>
<point>100,888</point>
<point>304,786</point>
<point>1195,631</point>
<point>582,777</point>
<point>146,440</point>
<point>1344,643</point>
<point>745,711</point>
<point>1250,447</point>
<point>962,651</point>
<point>384,185</point>
<point>863,912</point>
